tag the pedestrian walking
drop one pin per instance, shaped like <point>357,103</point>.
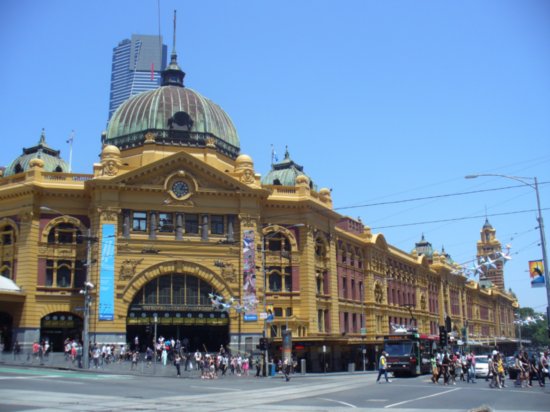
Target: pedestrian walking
<point>177,364</point>
<point>16,350</point>
<point>135,357</point>
<point>382,368</point>
<point>286,369</point>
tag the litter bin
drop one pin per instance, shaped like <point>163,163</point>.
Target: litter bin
<point>303,366</point>
<point>351,367</point>
<point>271,369</point>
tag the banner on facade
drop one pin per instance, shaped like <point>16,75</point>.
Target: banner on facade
<point>249,276</point>
<point>106,304</point>
<point>536,271</point>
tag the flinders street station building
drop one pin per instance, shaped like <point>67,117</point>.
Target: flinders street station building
<point>176,233</point>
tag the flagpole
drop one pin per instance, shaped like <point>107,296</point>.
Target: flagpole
<point>70,141</point>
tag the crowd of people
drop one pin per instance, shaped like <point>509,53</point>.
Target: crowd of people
<point>451,367</point>
<point>527,368</point>
<point>173,352</point>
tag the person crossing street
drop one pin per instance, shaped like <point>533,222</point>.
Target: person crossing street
<point>382,368</point>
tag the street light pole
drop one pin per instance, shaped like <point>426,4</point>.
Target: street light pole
<point>85,291</point>
<point>534,186</point>
<point>87,301</point>
<point>264,272</point>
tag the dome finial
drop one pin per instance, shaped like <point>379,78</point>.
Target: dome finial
<point>173,75</point>
<point>174,39</point>
<point>42,137</point>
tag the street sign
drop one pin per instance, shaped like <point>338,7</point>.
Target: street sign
<point>363,331</point>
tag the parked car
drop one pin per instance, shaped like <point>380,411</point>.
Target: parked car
<point>482,366</point>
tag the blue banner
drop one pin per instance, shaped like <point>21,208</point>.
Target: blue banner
<point>107,273</point>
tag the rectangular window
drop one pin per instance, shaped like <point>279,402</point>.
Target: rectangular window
<point>346,322</point>
<point>139,221</point>
<point>178,290</point>
<point>164,290</point>
<point>7,238</point>
<point>344,288</point>
<point>288,283</point>
<point>278,312</point>
<point>166,222</point>
<point>192,224</point>
<point>288,312</point>
<point>65,235</point>
<point>192,290</point>
<point>151,293</point>
<point>217,226</point>
<point>49,273</point>
<point>204,289</point>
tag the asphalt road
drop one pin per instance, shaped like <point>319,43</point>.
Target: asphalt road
<point>44,389</point>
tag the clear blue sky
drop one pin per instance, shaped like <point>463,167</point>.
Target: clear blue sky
<point>379,100</point>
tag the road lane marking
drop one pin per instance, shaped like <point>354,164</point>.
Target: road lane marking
<point>422,397</point>
<point>340,402</point>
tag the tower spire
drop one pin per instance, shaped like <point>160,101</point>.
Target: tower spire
<point>173,75</point>
<point>174,41</point>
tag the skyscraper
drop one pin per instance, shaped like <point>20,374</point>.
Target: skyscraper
<point>137,64</point>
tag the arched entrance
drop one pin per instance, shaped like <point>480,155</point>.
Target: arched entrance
<point>177,306</point>
<point>58,326</point>
<point>6,325</point>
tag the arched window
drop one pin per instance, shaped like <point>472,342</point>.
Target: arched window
<point>64,274</point>
<point>277,242</point>
<point>65,233</point>
<point>175,289</point>
<point>5,271</point>
<point>7,250</point>
<point>320,248</point>
<point>275,282</point>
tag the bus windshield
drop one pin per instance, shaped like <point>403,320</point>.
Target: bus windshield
<point>398,348</point>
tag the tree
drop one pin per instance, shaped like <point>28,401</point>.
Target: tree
<point>533,326</point>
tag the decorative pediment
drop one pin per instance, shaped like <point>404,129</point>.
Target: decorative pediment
<point>179,176</point>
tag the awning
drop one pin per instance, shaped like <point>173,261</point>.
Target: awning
<point>9,291</point>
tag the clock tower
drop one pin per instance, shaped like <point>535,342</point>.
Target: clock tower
<point>488,249</point>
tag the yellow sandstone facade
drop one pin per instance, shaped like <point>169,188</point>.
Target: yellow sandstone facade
<point>174,214</point>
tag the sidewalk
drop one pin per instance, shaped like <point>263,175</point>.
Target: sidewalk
<point>56,360</point>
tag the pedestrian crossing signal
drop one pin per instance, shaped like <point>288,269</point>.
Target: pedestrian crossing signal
<point>442,336</point>
<point>264,344</point>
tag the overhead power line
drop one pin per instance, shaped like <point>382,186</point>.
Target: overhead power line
<point>415,199</point>
<point>456,219</point>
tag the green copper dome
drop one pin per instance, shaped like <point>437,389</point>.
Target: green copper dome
<point>174,115</point>
<point>51,158</point>
<point>285,173</point>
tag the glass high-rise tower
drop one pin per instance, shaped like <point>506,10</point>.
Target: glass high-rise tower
<point>137,64</point>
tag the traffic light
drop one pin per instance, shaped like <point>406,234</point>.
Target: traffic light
<point>264,344</point>
<point>442,336</point>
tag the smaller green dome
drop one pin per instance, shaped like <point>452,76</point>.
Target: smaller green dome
<point>423,247</point>
<point>51,158</point>
<point>285,173</point>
